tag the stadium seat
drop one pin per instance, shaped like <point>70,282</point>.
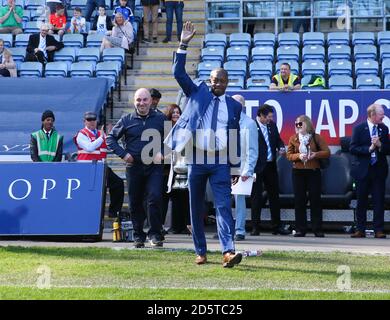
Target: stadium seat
<point>289,39</point>
<point>34,4</point>
<point>305,84</point>
<point>313,38</point>
<point>82,69</point>
<point>205,68</point>
<point>365,51</point>
<point>18,54</point>
<point>236,83</point>
<point>288,53</point>
<point>94,40</point>
<point>31,27</point>
<point>339,52</point>
<point>313,52</point>
<point>258,83</point>
<point>338,38</point>
<point>387,82</point>
<point>315,67</point>
<point>235,68</point>
<point>213,54</point>
<point>383,37</point>
<point>215,40</point>
<point>340,82</point>
<point>56,69</point>
<point>264,39</point>
<point>384,52</point>
<point>73,40</point>
<point>363,38</point>
<point>240,39</point>
<point>237,54</point>
<point>386,67</point>
<point>40,14</point>
<point>340,67</point>
<point>7,38</point>
<point>65,54</point>
<point>109,70</point>
<point>26,15</point>
<point>294,66</point>
<point>368,82</point>
<point>260,68</point>
<point>19,3</point>
<point>263,53</point>
<point>78,3</point>
<point>114,54</point>
<point>30,69</point>
<point>366,67</point>
<point>89,54</point>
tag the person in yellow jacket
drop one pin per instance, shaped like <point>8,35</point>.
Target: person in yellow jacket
<point>285,80</point>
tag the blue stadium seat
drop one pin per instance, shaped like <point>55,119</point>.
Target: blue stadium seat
<point>363,38</point>
<point>294,66</point>
<point>215,40</point>
<point>31,27</point>
<point>40,14</point>
<point>340,67</point>
<point>236,83</point>
<point>339,52</point>
<point>316,67</point>
<point>305,84</point>
<point>205,68</point>
<point>338,38</point>
<point>288,53</point>
<point>8,39</point>
<point>235,68</point>
<point>386,82</point>
<point>386,67</point>
<point>109,70</point>
<point>384,52</point>
<point>366,67</point>
<point>114,54</point>
<point>289,39</point>
<point>313,52</point>
<point>94,40</point>
<point>26,15</point>
<point>237,54</point>
<point>365,51</point>
<point>78,3</point>
<point>258,83</point>
<point>82,69</point>
<point>21,40</point>
<point>18,54</point>
<point>260,68</point>
<point>19,3</point>
<point>73,40</point>
<point>34,4</point>
<point>340,82</point>
<point>264,39</point>
<point>30,69</point>
<point>368,82</point>
<point>313,38</point>
<point>213,54</point>
<point>263,53</point>
<point>56,69</point>
<point>89,54</point>
<point>240,39</point>
<point>383,37</point>
<point>66,55</point>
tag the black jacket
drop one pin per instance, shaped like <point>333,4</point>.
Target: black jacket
<point>33,43</point>
<point>275,141</point>
<point>108,23</point>
<point>34,150</point>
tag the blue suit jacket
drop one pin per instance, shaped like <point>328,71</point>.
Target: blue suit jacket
<point>199,97</point>
<point>359,148</point>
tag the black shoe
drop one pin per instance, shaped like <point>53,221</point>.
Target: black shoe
<point>155,40</point>
<point>144,40</point>
<point>139,244</point>
<point>319,234</point>
<point>239,237</point>
<point>299,234</point>
<point>166,40</point>
<point>156,243</point>
<point>255,232</point>
<point>281,231</point>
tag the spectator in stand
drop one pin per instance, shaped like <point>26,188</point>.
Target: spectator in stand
<point>102,23</point>
<point>91,145</point>
<point>130,4</point>
<point>11,18</point>
<point>52,5</point>
<point>7,64</point>
<point>58,21</point>
<point>156,96</point>
<point>41,46</point>
<point>92,5</point>
<point>127,15</point>
<point>46,144</point>
<point>122,35</point>
<point>77,23</point>
<point>285,80</point>
<point>150,9</point>
<point>171,6</point>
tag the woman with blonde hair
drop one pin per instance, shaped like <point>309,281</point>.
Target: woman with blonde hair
<point>7,64</point>
<point>305,148</point>
<point>122,35</point>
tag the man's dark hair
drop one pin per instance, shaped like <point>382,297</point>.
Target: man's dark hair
<point>77,9</point>
<point>104,7</point>
<point>264,110</point>
<point>286,64</point>
<point>154,93</point>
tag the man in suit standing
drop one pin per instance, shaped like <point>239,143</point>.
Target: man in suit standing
<point>41,46</point>
<point>266,171</point>
<point>369,147</point>
<point>212,118</point>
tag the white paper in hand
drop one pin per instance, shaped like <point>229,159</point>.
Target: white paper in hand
<point>243,188</point>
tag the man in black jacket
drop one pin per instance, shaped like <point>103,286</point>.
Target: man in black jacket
<point>266,171</point>
<point>41,46</point>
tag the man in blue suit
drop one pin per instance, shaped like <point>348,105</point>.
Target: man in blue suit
<point>369,145</point>
<point>211,118</point>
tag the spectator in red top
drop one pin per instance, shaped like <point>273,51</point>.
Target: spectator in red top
<point>58,21</point>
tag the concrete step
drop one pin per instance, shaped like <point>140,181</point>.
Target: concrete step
<point>188,15</point>
<point>149,82</point>
<point>196,42</point>
<point>198,24</point>
<point>163,67</point>
<point>194,5</point>
<point>159,53</point>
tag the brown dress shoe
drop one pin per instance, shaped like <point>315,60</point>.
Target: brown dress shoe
<point>358,234</point>
<point>230,259</point>
<point>380,235</point>
<point>200,259</point>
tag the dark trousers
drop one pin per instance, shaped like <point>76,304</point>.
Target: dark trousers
<point>37,57</point>
<point>165,198</point>
<point>268,177</point>
<point>145,180</point>
<point>116,188</point>
<point>180,210</point>
<point>4,73</point>
<point>91,5</point>
<point>177,8</point>
<point>374,183</point>
<point>306,181</point>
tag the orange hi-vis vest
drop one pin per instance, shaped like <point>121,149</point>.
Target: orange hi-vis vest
<point>98,154</point>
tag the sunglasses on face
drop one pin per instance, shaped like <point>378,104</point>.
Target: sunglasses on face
<point>90,119</point>
<point>298,124</point>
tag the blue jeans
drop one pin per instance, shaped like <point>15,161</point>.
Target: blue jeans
<point>240,214</point>
<point>219,178</point>
<point>177,7</point>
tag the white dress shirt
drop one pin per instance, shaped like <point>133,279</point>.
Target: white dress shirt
<point>42,45</point>
<point>86,144</point>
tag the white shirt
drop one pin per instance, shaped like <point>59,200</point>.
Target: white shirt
<point>85,143</point>
<point>371,127</point>
<point>42,45</point>
<point>264,131</point>
<point>101,24</point>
